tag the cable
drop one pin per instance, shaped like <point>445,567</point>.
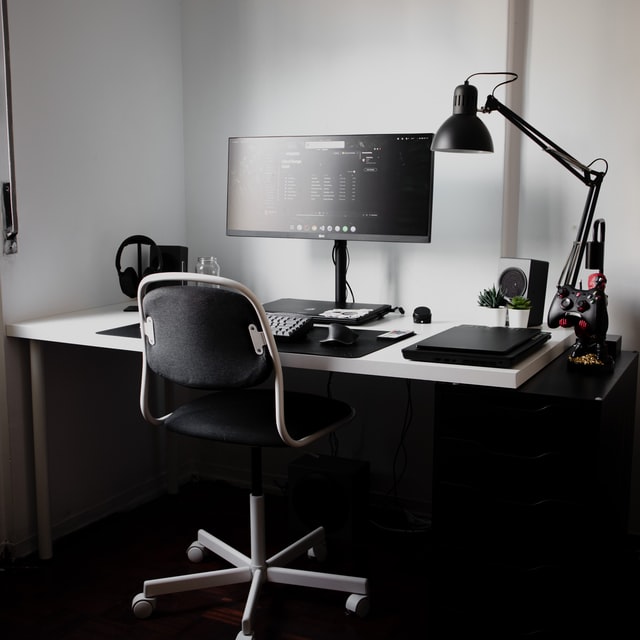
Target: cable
<point>409,522</point>
<point>346,270</point>
<point>401,448</point>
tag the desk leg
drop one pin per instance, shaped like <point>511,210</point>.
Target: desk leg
<point>38,404</point>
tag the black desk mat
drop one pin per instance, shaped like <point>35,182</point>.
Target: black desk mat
<point>366,343</point>
<point>128,331</point>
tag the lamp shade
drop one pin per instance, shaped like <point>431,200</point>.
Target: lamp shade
<point>463,132</point>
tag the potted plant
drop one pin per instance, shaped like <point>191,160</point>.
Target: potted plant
<point>518,309</point>
<point>494,300</point>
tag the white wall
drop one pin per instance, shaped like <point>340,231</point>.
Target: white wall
<point>99,153</point>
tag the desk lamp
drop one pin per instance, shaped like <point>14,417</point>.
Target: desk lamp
<point>583,309</point>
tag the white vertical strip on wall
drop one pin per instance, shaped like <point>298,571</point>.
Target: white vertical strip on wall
<point>517,48</point>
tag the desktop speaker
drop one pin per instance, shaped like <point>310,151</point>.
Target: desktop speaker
<point>330,492</point>
<point>525,277</point>
<point>174,258</point>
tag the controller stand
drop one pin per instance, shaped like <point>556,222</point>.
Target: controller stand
<point>585,309</point>
<point>586,312</point>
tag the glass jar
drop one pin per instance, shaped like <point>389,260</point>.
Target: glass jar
<point>208,265</point>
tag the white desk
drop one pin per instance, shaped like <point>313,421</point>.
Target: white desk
<point>81,327</point>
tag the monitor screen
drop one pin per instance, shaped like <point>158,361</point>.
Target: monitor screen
<point>376,187</point>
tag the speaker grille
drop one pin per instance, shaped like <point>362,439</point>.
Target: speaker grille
<point>513,282</point>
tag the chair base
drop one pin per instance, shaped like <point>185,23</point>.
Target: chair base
<point>256,570</point>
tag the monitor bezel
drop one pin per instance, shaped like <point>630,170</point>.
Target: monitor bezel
<point>424,237</point>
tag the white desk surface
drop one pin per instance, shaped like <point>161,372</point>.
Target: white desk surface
<point>81,327</point>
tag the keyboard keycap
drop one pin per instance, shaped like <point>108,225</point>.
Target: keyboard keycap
<point>289,326</point>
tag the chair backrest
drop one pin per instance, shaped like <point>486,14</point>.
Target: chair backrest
<point>203,337</point>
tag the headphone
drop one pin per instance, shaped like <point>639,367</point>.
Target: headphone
<point>129,278</point>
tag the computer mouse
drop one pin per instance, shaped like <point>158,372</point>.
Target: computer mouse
<point>340,334</point>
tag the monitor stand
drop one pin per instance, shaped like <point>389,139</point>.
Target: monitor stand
<point>324,311</point>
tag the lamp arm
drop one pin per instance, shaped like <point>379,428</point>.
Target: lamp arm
<point>587,175</point>
<point>581,171</point>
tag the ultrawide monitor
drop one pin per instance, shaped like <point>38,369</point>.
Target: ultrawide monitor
<point>376,187</point>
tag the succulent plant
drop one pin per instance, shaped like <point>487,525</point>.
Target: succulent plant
<point>519,302</point>
<point>493,298</point>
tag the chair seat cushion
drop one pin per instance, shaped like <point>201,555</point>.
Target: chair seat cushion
<point>248,416</point>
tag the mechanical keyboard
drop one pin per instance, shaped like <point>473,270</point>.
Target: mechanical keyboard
<point>289,326</point>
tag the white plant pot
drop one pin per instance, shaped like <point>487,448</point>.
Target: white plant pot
<point>494,317</point>
<point>519,317</point>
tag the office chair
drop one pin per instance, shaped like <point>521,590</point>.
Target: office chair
<point>212,334</point>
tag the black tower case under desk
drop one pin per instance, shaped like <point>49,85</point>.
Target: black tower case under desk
<point>530,502</point>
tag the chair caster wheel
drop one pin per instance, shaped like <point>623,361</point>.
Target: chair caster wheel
<point>196,552</point>
<point>358,604</point>
<point>142,606</point>
<point>319,552</point>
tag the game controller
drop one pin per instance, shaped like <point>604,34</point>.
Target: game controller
<point>586,312</point>
<point>583,309</point>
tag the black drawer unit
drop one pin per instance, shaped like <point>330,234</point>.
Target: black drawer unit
<point>531,497</point>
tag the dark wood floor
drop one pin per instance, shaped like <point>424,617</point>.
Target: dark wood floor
<point>85,591</point>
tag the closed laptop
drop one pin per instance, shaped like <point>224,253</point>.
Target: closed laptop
<point>478,345</point>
